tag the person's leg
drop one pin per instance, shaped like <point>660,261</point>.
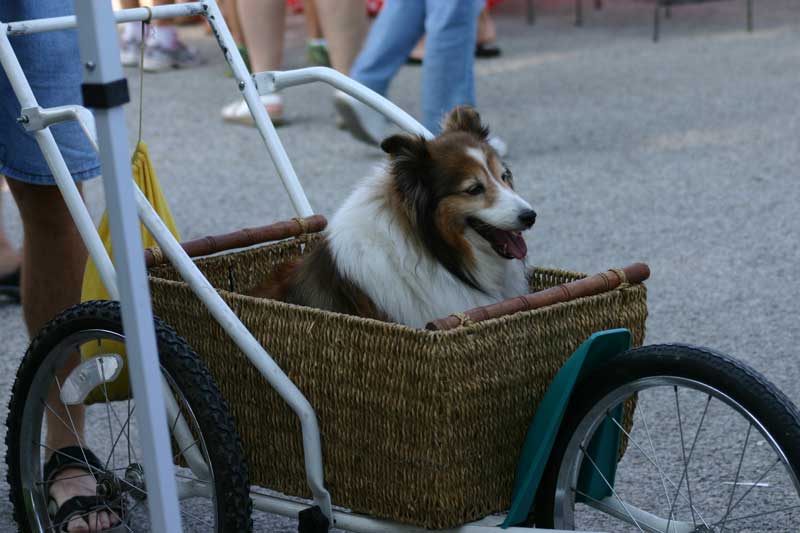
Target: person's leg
<point>393,35</point>
<point>48,286</point>
<point>9,257</point>
<point>54,258</point>
<point>447,72</point>
<point>53,255</point>
<point>311,17</point>
<point>344,24</point>
<point>487,32</point>
<point>263,26</point>
<point>316,45</point>
<point>231,13</point>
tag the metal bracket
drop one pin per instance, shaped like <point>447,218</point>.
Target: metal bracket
<point>88,375</point>
<point>313,520</point>
<point>38,118</point>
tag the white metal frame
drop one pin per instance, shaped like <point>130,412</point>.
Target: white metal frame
<point>38,120</point>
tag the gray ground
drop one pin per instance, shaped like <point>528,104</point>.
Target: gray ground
<point>682,154</point>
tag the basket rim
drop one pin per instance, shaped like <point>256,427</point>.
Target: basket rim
<point>467,329</point>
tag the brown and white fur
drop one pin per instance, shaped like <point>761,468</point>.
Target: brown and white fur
<point>434,232</point>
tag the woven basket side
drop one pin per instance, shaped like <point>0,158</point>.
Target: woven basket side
<point>420,427</point>
<point>502,369</point>
<point>241,271</point>
<point>367,438</point>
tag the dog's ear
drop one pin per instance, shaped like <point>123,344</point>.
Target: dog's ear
<point>410,163</point>
<point>465,118</point>
<point>402,145</point>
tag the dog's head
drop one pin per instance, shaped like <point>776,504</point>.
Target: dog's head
<point>458,196</point>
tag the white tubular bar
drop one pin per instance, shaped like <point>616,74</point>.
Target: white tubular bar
<point>124,15</point>
<point>269,82</point>
<point>72,197</point>
<point>364,524</point>
<point>312,446</point>
<point>263,123</point>
<point>182,433</point>
<point>99,53</point>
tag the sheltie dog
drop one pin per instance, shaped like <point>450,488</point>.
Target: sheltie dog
<point>437,230</point>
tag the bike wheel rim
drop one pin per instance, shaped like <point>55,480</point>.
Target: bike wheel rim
<point>573,457</point>
<point>34,491</point>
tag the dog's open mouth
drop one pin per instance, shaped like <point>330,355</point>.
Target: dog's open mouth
<point>508,244</point>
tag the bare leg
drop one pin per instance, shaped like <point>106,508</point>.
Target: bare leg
<point>487,33</point>
<point>54,258</point>
<point>231,14</point>
<point>9,258</point>
<point>344,25</point>
<point>263,25</point>
<point>54,254</point>
<point>313,27</point>
<point>418,52</point>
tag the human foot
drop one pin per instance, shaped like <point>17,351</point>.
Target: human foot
<point>74,501</point>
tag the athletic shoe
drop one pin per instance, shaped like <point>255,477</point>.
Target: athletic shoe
<point>129,52</point>
<point>238,112</point>
<point>158,57</point>
<point>363,122</point>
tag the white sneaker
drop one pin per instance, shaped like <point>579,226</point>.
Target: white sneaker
<point>129,52</point>
<point>498,144</point>
<point>164,51</point>
<point>239,113</point>
<point>363,122</point>
<point>158,58</point>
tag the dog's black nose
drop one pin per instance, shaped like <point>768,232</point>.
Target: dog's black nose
<point>527,218</point>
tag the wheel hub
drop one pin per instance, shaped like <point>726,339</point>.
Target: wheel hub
<point>108,486</point>
<point>134,478</point>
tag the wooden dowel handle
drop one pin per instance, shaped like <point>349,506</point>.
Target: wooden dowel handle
<point>599,283</point>
<point>241,239</point>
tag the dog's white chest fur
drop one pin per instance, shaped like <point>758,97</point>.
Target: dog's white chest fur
<point>371,248</point>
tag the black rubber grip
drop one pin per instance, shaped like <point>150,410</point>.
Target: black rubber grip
<point>105,95</point>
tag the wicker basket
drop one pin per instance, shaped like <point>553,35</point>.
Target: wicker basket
<point>422,427</point>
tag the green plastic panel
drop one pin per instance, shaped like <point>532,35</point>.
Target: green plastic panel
<point>543,430</point>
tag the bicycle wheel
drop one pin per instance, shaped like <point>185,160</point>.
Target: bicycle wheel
<point>210,469</point>
<point>714,447</point>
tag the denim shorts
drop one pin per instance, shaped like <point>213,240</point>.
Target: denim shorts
<point>51,63</point>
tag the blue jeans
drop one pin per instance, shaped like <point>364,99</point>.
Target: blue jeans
<point>450,28</point>
<point>52,66</point>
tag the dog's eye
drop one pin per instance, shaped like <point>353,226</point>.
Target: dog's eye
<point>507,177</point>
<point>476,189</point>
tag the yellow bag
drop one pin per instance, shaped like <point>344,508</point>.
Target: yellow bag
<point>93,288</point>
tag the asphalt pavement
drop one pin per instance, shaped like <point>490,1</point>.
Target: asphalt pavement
<point>683,154</point>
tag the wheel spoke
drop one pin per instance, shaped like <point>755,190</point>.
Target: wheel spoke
<point>661,473</point>
<point>585,454</point>
<point>643,416</point>
<point>754,515</point>
<point>193,479</point>
<point>111,456</point>
<point>778,460</point>
<point>193,443</point>
<point>72,424</point>
<point>736,479</point>
<point>119,436</point>
<point>686,461</point>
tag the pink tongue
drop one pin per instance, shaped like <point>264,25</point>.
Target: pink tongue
<point>513,243</point>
